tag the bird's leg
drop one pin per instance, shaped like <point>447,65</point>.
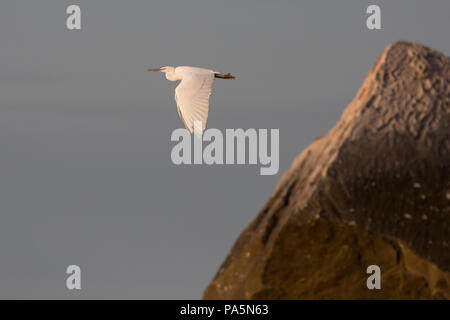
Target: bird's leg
<point>224,76</point>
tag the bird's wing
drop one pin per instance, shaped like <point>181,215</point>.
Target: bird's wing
<point>192,98</point>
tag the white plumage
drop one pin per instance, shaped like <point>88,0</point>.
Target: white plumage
<point>192,94</point>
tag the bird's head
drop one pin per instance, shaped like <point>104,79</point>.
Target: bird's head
<point>169,72</point>
<point>163,69</point>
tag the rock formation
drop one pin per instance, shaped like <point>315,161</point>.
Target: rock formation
<point>374,190</point>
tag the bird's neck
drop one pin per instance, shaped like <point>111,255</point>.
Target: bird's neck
<point>173,76</point>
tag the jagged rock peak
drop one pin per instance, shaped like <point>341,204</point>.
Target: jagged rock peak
<point>374,190</point>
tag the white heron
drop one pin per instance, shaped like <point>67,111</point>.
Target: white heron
<point>192,94</point>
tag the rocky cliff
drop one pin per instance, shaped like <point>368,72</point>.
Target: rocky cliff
<point>374,190</point>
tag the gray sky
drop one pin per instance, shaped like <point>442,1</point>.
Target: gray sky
<point>86,176</point>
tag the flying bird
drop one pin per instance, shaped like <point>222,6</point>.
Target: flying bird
<point>192,94</point>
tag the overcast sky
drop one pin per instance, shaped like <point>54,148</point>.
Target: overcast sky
<point>85,170</point>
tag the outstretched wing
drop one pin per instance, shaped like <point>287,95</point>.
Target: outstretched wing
<point>192,98</point>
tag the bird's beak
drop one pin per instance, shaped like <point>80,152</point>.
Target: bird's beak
<point>158,69</point>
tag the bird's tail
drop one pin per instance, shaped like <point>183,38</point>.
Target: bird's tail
<point>224,76</point>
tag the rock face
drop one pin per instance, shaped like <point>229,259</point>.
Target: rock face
<point>374,190</point>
